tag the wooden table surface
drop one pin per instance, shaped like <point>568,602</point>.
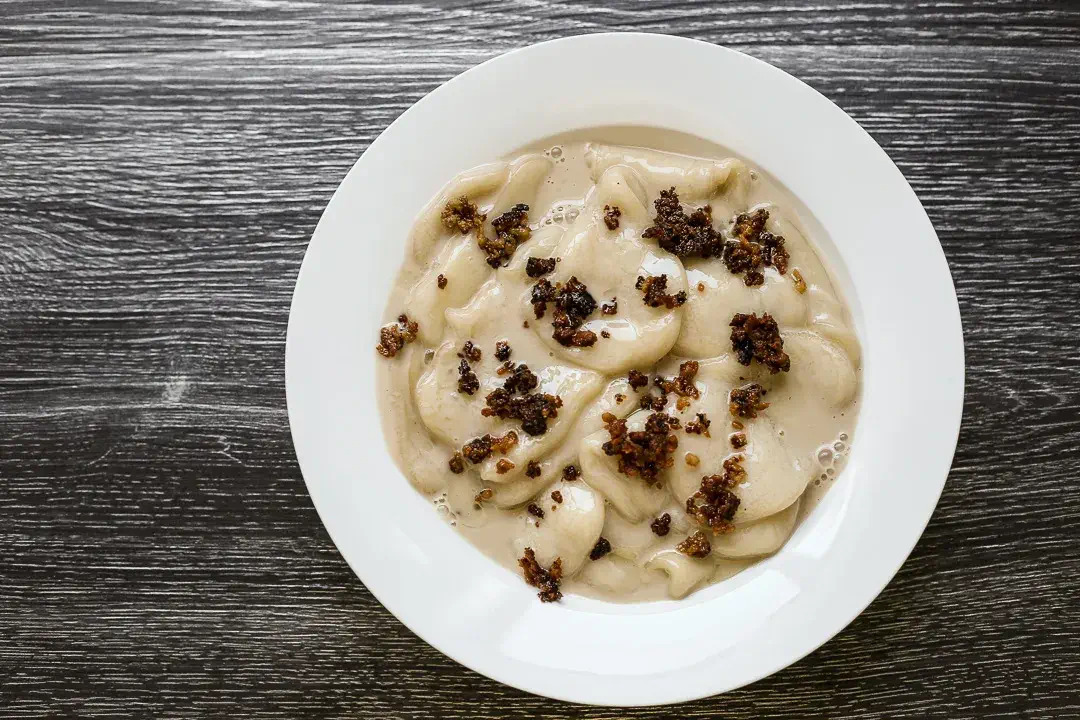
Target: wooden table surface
<point>162,165</point>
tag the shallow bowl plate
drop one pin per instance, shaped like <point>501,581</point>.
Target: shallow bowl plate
<point>885,258</point>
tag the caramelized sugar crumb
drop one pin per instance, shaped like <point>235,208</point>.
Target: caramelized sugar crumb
<point>556,496</point>
<point>571,473</point>
<point>477,450</point>
<point>661,526</point>
<point>535,510</point>
<point>714,504</point>
<point>504,466</point>
<point>467,382</point>
<point>699,426</point>
<point>738,440</point>
<point>610,308</point>
<point>533,469</point>
<point>462,216</point>
<point>502,351</point>
<point>470,352</point>
<point>619,397</point>
<point>745,402</point>
<point>655,294</point>
<point>642,453</point>
<point>573,304</point>
<point>682,384</point>
<point>511,229</point>
<point>441,281</point>
<point>457,464</point>
<point>695,546</point>
<point>538,267</point>
<point>797,278</point>
<point>753,247</point>
<point>484,495</point>
<point>546,581</point>
<point>680,234</point>
<point>637,379</point>
<point>611,217</point>
<point>692,460</point>
<point>600,549</point>
<point>394,337</point>
<point>754,338</point>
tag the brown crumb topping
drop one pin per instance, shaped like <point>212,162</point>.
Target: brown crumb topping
<point>467,382</point>
<point>611,216</point>
<point>462,216</point>
<point>695,546</point>
<point>543,292</point>
<point>470,352</point>
<point>573,304</point>
<point>745,402</point>
<point>504,466</point>
<point>661,525</point>
<point>797,278</point>
<point>556,496</point>
<point>754,338</point>
<point>533,469</point>
<point>600,549</point>
<point>692,460</point>
<point>605,334</point>
<point>699,426</point>
<point>441,281</point>
<point>736,425</point>
<point>571,473</point>
<point>655,294</point>
<point>511,229</point>
<point>457,464</point>
<point>653,402</point>
<point>502,351</point>
<point>538,267</point>
<point>484,495</point>
<point>753,247</point>
<point>642,453</point>
<point>535,510</point>
<point>610,308</point>
<point>619,397</point>
<point>680,234</point>
<point>714,504</point>
<point>394,337</point>
<point>701,287</point>
<point>738,440</point>
<point>683,384</point>
<point>532,409</point>
<point>477,450</point>
<point>637,379</point>
<point>546,581</point>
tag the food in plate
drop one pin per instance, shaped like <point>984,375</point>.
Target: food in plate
<point>621,371</point>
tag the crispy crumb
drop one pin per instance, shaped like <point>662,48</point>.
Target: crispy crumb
<point>457,464</point>
<point>682,384</point>
<point>524,323</point>
<point>441,282</point>
<point>754,247</point>
<point>738,440</point>
<point>696,546</point>
<point>556,496</point>
<point>642,453</point>
<point>535,510</point>
<point>754,338</point>
<point>692,460</point>
<point>637,379</point>
<point>661,526</point>
<point>745,401</point>
<point>653,402</point>
<point>502,351</point>
<point>655,294</point>
<point>477,450</point>
<point>394,337</point>
<point>533,469</point>
<point>547,581</point>
<point>682,403</point>
<point>714,504</point>
<point>600,549</point>
<point>611,216</point>
<point>467,382</point>
<point>684,235</point>
<point>462,216</point>
<point>797,278</point>
<point>538,267</point>
<point>699,426</point>
<point>619,397</point>
<point>736,425</point>
<point>605,334</point>
<point>571,473</point>
<point>573,304</point>
<point>511,229</point>
<point>470,352</point>
<point>504,466</point>
<point>610,308</point>
<point>701,287</point>
<point>484,495</point>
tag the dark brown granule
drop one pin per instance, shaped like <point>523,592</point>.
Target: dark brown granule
<point>547,581</point>
<point>682,403</point>
<point>684,235</point>
<point>605,334</point>
<point>714,504</point>
<point>575,338</point>
<point>477,450</point>
<point>535,510</point>
<point>394,337</point>
<point>533,469</point>
<point>470,352</point>
<point>467,382</point>
<point>610,308</point>
<point>619,397</point>
<point>611,216</point>
<point>642,453</point>
<point>637,379</point>
<point>521,379</point>
<point>504,466</point>
<point>699,426</point>
<point>661,526</point>
<point>754,338</point>
<point>653,402</point>
<point>692,460</point>
<point>797,278</point>
<point>738,440</point>
<point>505,369</point>
<point>573,304</point>
<point>441,282</point>
<point>543,292</point>
<point>457,464</point>
<point>655,294</point>
<point>511,229</point>
<point>556,496</point>
<point>504,444</point>
<point>484,495</point>
<point>682,384</point>
<point>462,216</point>
<point>533,410</point>
<point>524,323</point>
<point>600,549</point>
<point>736,425</point>
<point>571,473</point>
<point>745,402</point>
<point>701,287</point>
<point>754,247</point>
<point>695,546</point>
<point>538,267</point>
<point>502,351</point>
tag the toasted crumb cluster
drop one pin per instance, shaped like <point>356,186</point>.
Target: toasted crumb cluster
<point>655,294</point>
<point>470,352</point>
<point>571,473</point>
<point>745,401</point>
<point>800,283</point>
<point>394,337</point>
<point>605,334</point>
<point>611,217</point>
<point>738,440</point>
<point>504,466</point>
<point>754,338</point>
<point>619,398</point>
<point>556,496</point>
<point>521,379</point>
<point>753,247</point>
<point>457,464</point>
<point>533,469</point>
<point>479,449</point>
<point>699,425</point>
<point>462,215</point>
<point>661,525</point>
<point>484,495</point>
<point>467,382</point>
<point>653,402</point>
<point>695,546</point>
<point>642,453</point>
<point>683,384</point>
<point>692,460</point>
<point>535,510</point>
<point>502,351</point>
<point>538,267</point>
<point>684,235</point>
<point>637,379</point>
<point>532,409</point>
<point>610,308</point>
<point>511,229</point>
<point>600,549</point>
<point>714,504</point>
<point>441,281</point>
<point>546,581</point>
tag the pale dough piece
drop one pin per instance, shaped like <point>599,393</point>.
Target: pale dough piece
<point>692,178</point>
<point>631,496</point>
<point>684,573</point>
<point>757,538</point>
<point>473,184</point>
<point>570,531</point>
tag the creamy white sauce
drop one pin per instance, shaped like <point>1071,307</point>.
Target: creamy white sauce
<point>796,447</point>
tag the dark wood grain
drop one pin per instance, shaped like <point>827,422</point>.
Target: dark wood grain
<point>162,165</point>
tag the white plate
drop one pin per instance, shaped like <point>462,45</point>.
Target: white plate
<point>886,260</point>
